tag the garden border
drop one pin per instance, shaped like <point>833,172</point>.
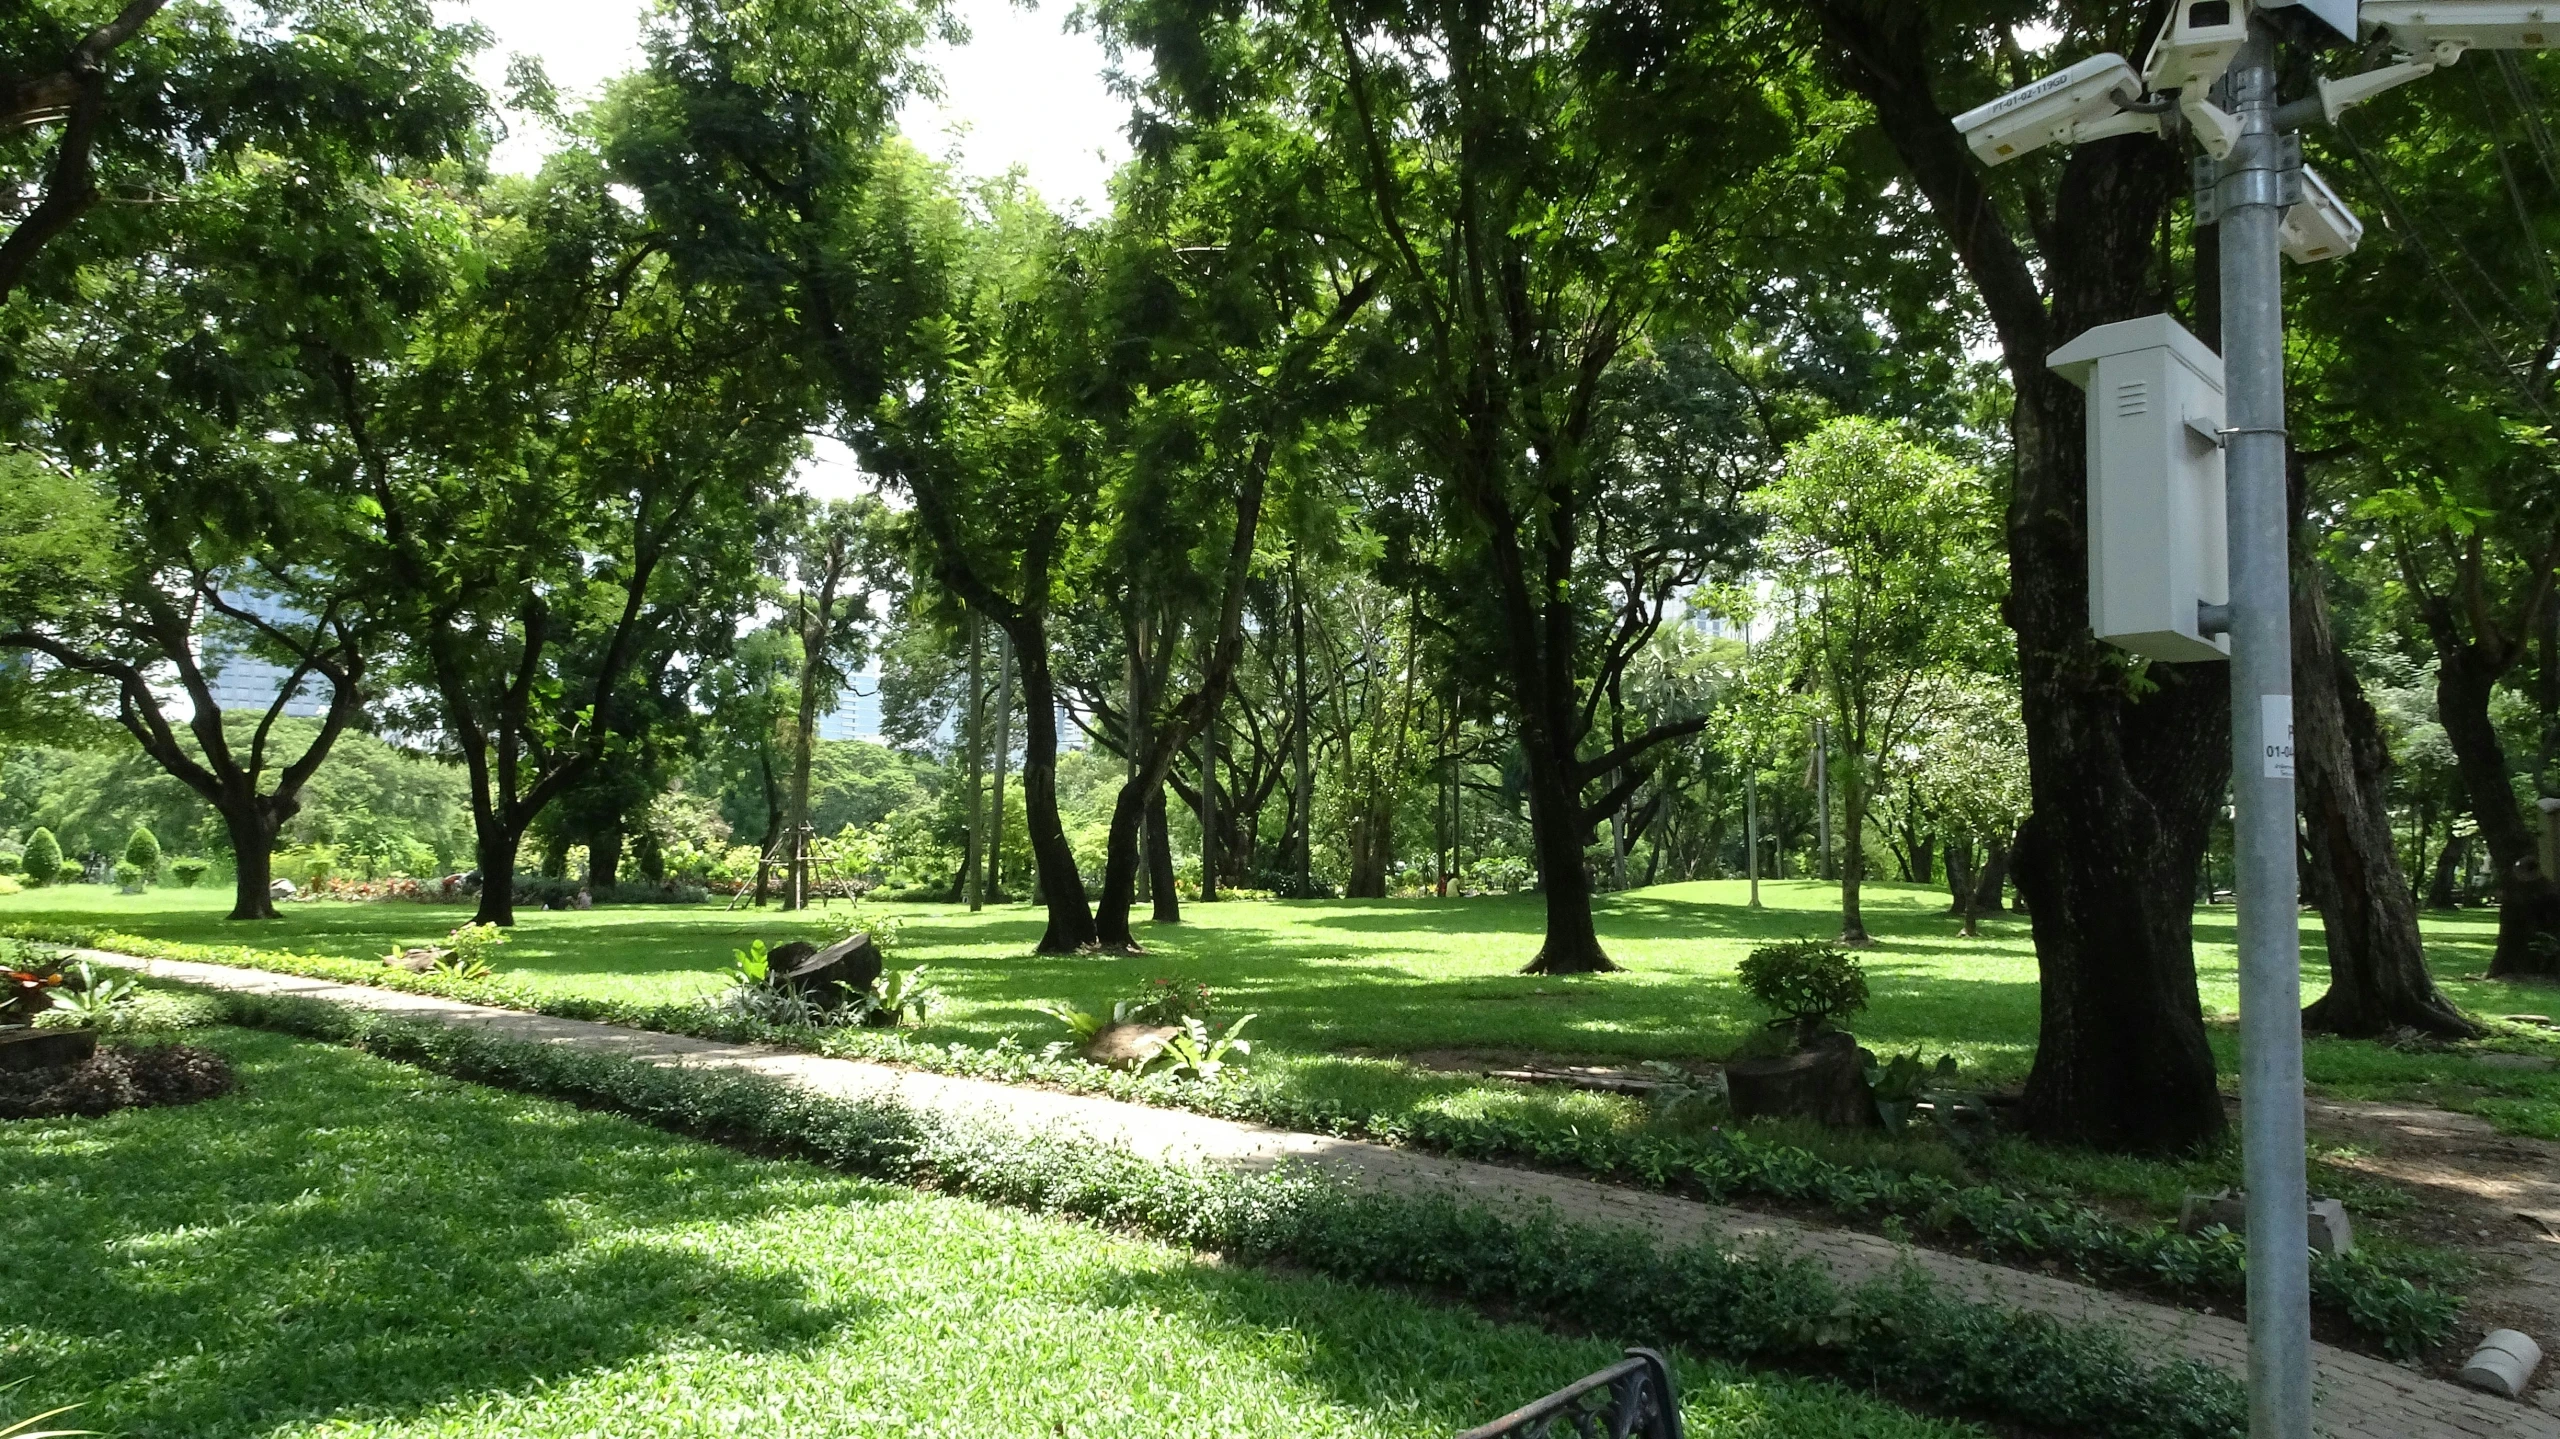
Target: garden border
<point>1962,1348</point>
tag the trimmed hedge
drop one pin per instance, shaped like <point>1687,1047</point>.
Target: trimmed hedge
<point>1903,1336</point>
<point>2375,1297</point>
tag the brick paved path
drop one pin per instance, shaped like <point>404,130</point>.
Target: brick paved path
<point>2358,1397</point>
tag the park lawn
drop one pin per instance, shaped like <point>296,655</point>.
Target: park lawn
<point>354,1247</point>
<point>1345,992</point>
<point>1393,977</point>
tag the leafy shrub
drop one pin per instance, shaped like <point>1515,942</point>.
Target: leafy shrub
<point>1197,1054</point>
<point>896,997</point>
<point>90,998</point>
<point>188,870</point>
<point>1805,982</point>
<point>70,871</point>
<point>1166,999</point>
<point>1901,1335</point>
<point>43,859</point>
<point>1082,1024</point>
<point>142,851</point>
<point>469,948</point>
<point>130,876</point>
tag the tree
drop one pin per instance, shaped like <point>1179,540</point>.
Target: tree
<point>2454,480</point>
<point>1536,202</point>
<point>570,480</point>
<point>1971,776</point>
<point>177,393</point>
<point>2129,767</point>
<point>757,140</point>
<point>835,563</point>
<point>149,98</point>
<point>1243,315</point>
<point>1883,544</point>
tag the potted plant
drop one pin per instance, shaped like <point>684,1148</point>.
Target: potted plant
<point>1818,1073</point>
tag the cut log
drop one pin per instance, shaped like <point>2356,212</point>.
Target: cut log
<point>1825,1081</point>
<point>24,1049</point>
<point>828,978</point>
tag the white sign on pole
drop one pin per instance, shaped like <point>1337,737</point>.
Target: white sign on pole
<point>2275,734</point>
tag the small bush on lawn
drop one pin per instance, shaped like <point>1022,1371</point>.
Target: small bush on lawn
<point>188,871</point>
<point>142,851</point>
<point>2377,1297</point>
<point>1904,1336</point>
<point>1166,999</point>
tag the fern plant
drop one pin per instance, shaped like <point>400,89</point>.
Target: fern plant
<point>1196,1054</point>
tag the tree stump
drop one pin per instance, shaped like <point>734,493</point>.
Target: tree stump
<point>1131,1046</point>
<point>416,960</point>
<point>1825,1081</point>
<point>24,1049</point>
<point>828,978</point>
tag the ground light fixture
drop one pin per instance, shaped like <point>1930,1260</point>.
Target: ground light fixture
<point>2172,429</point>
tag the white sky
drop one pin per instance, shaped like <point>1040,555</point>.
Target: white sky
<point>1024,92</point>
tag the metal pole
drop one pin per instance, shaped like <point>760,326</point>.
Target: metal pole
<point>2265,885</point>
<point>1822,793</point>
<point>1751,830</point>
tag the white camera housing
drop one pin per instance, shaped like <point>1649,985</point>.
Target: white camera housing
<point>2064,108</point>
<point>2445,28</point>
<point>2319,226</point>
<point>2157,547</point>
<point>2198,44</point>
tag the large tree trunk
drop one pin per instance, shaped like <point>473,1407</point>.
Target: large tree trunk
<point>2124,786</point>
<point>1990,887</point>
<point>975,737</point>
<point>1070,927</point>
<point>2378,978</point>
<point>2528,902</point>
<point>1853,852</point>
<point>2444,891</point>
<point>252,829</point>
<point>1004,758</point>
<point>1167,888</point>
<point>496,847</point>
<point>1302,783</point>
<point>772,828</point>
<point>1572,943</point>
<point>604,856</point>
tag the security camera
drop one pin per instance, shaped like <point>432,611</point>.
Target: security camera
<point>2319,226</point>
<point>2084,102</point>
<point>2197,44</point>
<point>2443,29</point>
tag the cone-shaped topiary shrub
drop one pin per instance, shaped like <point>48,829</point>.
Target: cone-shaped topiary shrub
<point>43,861</point>
<point>143,853</point>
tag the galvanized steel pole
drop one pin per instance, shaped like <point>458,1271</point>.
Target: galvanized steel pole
<point>2266,886</point>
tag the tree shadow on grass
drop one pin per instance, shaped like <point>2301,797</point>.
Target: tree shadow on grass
<point>348,1238</point>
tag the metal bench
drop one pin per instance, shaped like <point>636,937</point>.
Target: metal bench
<point>1631,1399</point>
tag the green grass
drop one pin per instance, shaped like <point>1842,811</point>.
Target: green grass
<point>1406,976</point>
<point>355,1247</point>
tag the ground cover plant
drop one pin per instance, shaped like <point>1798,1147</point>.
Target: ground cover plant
<point>316,1255</point>
<point>2371,1297</point>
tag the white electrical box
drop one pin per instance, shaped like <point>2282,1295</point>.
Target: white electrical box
<point>2157,547</point>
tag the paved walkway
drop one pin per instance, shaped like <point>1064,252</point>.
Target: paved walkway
<point>2358,1397</point>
